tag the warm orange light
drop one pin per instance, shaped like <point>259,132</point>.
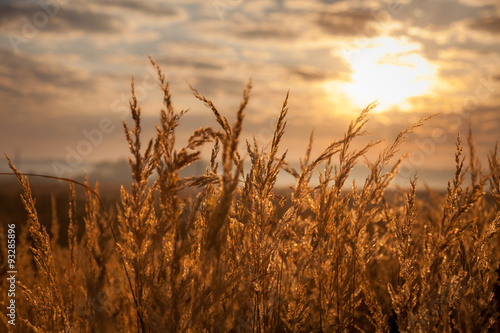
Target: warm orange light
<point>389,70</point>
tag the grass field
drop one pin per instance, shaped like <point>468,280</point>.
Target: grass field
<point>227,252</point>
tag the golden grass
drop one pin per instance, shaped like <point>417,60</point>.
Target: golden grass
<point>238,257</point>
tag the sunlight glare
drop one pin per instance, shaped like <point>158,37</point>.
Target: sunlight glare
<point>389,71</point>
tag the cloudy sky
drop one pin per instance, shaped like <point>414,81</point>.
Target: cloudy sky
<point>66,67</point>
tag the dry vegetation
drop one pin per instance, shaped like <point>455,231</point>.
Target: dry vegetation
<point>239,257</point>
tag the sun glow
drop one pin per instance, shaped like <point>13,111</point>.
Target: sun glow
<point>390,71</point>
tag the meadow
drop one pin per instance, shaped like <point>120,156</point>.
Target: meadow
<point>226,252</point>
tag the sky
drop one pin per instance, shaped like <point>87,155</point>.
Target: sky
<point>66,68</point>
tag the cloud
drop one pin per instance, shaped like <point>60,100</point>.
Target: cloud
<point>140,7</point>
<point>348,23</point>
<point>67,79</point>
<point>488,24</point>
<point>58,19</point>
<point>438,13</point>
<point>25,76</point>
<point>194,63</point>
<point>266,32</point>
<point>310,74</point>
<point>211,85</point>
<point>476,3</point>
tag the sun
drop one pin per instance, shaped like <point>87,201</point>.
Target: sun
<point>390,71</point>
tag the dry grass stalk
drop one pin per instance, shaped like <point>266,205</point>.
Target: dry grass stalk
<point>239,257</point>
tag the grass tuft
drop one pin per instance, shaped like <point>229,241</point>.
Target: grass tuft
<point>235,255</point>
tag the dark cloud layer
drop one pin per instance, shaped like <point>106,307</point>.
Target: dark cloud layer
<point>58,19</point>
<point>27,74</point>
<point>263,32</point>
<point>195,63</point>
<point>140,6</point>
<point>310,74</point>
<point>423,13</point>
<point>210,86</point>
<point>349,23</point>
<point>488,24</point>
